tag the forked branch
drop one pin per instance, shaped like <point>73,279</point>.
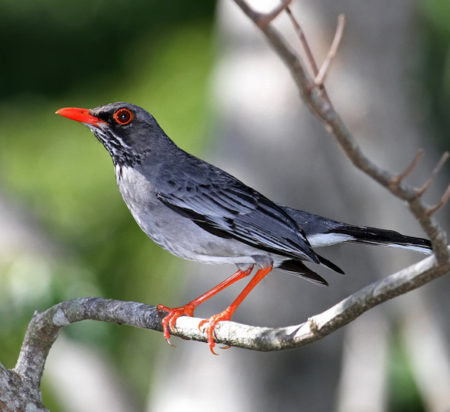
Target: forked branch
<point>321,106</point>
<point>326,65</point>
<point>420,191</point>
<point>395,180</point>
<point>263,19</point>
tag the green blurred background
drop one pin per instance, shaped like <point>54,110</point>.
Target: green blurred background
<point>158,55</point>
<point>87,53</point>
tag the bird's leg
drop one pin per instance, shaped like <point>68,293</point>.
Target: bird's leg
<point>173,314</point>
<point>228,312</point>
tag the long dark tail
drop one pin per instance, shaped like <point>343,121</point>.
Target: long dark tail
<point>383,237</point>
<point>321,231</point>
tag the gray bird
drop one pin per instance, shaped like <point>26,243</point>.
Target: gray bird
<point>199,212</point>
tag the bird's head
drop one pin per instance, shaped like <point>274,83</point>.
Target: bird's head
<point>128,132</point>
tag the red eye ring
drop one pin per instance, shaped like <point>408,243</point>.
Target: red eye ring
<point>123,116</point>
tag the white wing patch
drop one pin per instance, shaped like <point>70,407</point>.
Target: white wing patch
<point>328,239</point>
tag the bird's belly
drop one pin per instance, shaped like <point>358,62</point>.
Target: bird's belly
<point>176,233</point>
<point>183,238</point>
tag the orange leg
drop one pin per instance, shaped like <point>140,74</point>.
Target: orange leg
<point>173,314</point>
<point>228,312</point>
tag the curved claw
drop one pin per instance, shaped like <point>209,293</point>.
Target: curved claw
<point>212,323</point>
<point>168,322</point>
<point>202,323</point>
<point>170,343</point>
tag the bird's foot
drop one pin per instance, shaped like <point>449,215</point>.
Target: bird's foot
<point>211,325</point>
<point>168,322</point>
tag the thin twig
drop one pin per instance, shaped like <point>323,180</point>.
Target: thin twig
<point>424,188</point>
<point>433,209</point>
<point>326,65</point>
<point>309,55</point>
<point>303,41</point>
<point>395,180</point>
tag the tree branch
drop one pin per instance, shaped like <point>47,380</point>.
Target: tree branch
<point>263,19</point>
<point>44,327</point>
<point>398,178</point>
<point>23,382</point>
<point>326,65</point>
<point>321,107</point>
<point>322,324</point>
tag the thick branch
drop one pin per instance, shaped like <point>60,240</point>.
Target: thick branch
<point>18,393</point>
<point>320,325</point>
<point>43,328</point>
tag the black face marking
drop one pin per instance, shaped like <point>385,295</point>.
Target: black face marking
<point>128,132</point>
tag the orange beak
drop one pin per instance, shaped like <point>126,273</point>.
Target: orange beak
<point>80,115</point>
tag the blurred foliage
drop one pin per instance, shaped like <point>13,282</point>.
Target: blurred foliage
<point>49,48</point>
<point>87,53</point>
<point>435,67</point>
<point>403,392</point>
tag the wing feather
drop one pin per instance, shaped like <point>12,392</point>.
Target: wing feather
<point>229,208</point>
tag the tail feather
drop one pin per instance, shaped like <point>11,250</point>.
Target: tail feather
<point>330,265</point>
<point>298,267</point>
<point>384,237</point>
<point>322,231</point>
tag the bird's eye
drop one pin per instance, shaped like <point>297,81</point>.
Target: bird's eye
<point>123,116</point>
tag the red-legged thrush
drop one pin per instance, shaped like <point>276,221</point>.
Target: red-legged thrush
<point>199,212</point>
